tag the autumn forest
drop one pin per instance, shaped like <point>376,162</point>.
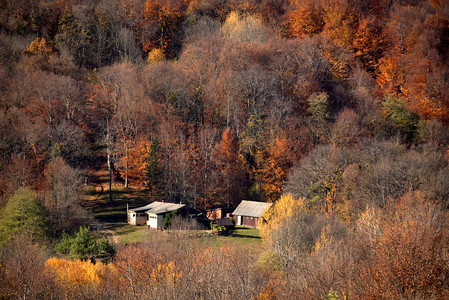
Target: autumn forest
<point>335,111</point>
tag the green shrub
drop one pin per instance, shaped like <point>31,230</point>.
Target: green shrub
<point>84,245</point>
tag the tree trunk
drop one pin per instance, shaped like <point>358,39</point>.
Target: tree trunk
<point>110,177</point>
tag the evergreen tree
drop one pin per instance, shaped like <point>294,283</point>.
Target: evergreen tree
<point>23,215</point>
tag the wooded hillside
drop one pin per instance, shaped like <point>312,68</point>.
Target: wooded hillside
<point>335,110</point>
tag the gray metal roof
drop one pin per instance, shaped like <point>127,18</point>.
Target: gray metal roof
<point>158,208</point>
<point>224,222</point>
<point>251,208</point>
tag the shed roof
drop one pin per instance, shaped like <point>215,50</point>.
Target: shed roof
<point>251,208</point>
<point>224,222</point>
<point>158,208</point>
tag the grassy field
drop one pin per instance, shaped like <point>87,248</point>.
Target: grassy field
<point>246,232</point>
<point>242,236</point>
<point>222,241</point>
<point>135,234</point>
<point>129,234</point>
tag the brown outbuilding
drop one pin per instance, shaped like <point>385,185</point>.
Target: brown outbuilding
<point>248,213</point>
<point>223,227</point>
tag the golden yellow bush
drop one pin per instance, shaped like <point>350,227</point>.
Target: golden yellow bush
<point>156,55</point>
<point>284,208</point>
<point>40,46</point>
<point>71,275</point>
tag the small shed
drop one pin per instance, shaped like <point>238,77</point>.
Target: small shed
<point>152,214</point>
<point>249,212</point>
<point>223,226</point>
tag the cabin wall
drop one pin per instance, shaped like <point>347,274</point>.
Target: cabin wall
<point>218,213</point>
<point>249,221</point>
<point>214,214</point>
<point>152,220</point>
<point>136,218</point>
<point>239,220</point>
<point>160,221</point>
<point>155,221</point>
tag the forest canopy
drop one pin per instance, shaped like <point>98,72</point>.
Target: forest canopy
<point>337,111</point>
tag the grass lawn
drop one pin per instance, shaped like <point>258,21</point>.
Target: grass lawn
<point>242,236</point>
<point>220,241</point>
<point>246,232</point>
<point>130,234</point>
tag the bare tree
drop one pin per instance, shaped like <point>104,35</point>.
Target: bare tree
<point>64,192</point>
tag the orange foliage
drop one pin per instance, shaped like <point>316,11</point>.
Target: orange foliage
<point>137,161</point>
<point>427,92</point>
<point>307,19</point>
<point>391,76</point>
<point>137,270</point>
<point>330,186</point>
<point>156,55</point>
<point>369,43</point>
<point>274,167</point>
<point>267,294</point>
<point>340,22</point>
<point>39,46</point>
<point>229,170</point>
<point>165,17</point>
<point>407,245</point>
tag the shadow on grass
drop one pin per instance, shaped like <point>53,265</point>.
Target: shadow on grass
<point>111,217</point>
<point>115,211</point>
<point>236,235</point>
<point>246,232</point>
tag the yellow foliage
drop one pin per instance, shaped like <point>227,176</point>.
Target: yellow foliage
<point>39,46</point>
<point>286,207</point>
<point>156,55</point>
<point>246,29</point>
<point>165,274</point>
<point>267,294</point>
<point>71,275</point>
<point>369,223</point>
<point>339,22</point>
<point>324,242</point>
<point>231,22</point>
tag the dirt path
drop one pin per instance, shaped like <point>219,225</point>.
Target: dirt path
<point>104,229</point>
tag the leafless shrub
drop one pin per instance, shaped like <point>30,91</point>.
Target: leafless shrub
<point>23,264</point>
